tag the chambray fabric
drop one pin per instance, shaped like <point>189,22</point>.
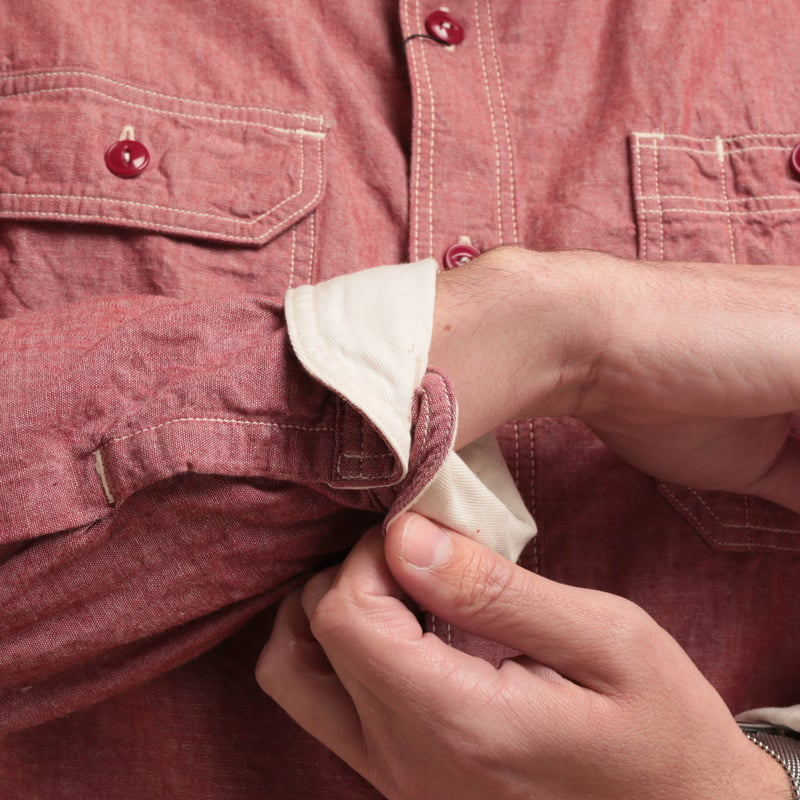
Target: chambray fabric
<point>290,143</point>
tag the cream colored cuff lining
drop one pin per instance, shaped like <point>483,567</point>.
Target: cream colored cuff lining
<point>366,336</point>
<point>787,717</point>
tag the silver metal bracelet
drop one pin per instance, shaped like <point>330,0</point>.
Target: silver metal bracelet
<point>783,745</point>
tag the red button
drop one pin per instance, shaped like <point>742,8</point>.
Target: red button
<point>127,158</point>
<point>794,160</point>
<point>459,254</point>
<point>444,28</point>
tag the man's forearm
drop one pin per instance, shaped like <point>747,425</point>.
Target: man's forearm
<point>688,371</point>
<point>509,333</point>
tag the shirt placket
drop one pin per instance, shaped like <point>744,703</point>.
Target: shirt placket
<point>462,176</point>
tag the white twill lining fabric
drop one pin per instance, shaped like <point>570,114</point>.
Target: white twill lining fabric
<point>366,336</point>
<point>788,717</point>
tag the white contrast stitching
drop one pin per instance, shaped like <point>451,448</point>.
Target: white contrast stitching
<point>744,545</point>
<point>100,468</point>
<point>344,475</point>
<point>707,212</point>
<point>156,207</point>
<point>657,180</point>
<point>180,228</point>
<point>731,150</point>
<point>512,179</point>
<point>313,250</point>
<point>168,112</point>
<point>414,218</point>
<point>715,138</point>
<point>532,491</point>
<point>365,456</point>
<point>23,75</point>
<point>243,422</point>
<point>637,149</point>
<point>720,200</point>
<point>724,177</point>
<point>722,524</point>
<point>498,176</point>
<point>292,254</point>
<point>432,146</point>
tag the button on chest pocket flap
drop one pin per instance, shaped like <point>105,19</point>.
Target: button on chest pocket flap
<point>733,199</point>
<point>85,149</point>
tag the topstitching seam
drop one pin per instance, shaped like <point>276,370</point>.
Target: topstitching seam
<point>172,112</point>
<point>181,228</point>
<point>512,179</point>
<point>52,73</point>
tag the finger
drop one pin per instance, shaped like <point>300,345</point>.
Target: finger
<point>294,670</point>
<point>379,650</point>
<point>590,637</point>
<point>363,588</point>
<point>779,483</point>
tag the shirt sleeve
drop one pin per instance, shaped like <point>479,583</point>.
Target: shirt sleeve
<point>168,468</point>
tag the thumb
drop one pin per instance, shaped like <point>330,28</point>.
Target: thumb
<point>583,634</point>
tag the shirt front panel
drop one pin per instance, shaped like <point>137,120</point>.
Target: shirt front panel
<point>523,133</point>
<point>620,128</point>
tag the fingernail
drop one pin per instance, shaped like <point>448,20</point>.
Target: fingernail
<point>424,544</point>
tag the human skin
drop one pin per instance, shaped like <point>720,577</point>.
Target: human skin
<point>688,372</point>
<point>602,704</point>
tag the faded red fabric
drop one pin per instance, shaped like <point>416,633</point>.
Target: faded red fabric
<point>290,143</point>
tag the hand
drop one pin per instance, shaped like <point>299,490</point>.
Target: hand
<point>691,372</point>
<point>603,704</point>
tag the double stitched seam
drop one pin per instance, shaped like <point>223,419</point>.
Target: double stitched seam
<point>640,202</point>
<point>532,493</point>
<point>292,255</point>
<point>723,524</point>
<point>313,249</point>
<point>730,151</point>
<point>732,200</point>
<point>180,228</point>
<point>512,179</point>
<point>421,143</point>
<point>78,73</point>
<point>344,472</point>
<point>492,120</point>
<point>726,139</point>
<point>99,463</point>
<point>451,400</point>
<point>709,213</point>
<point>657,179</point>
<point>215,420</point>
<point>156,207</point>
<point>414,221</point>
<point>750,545</point>
<point>724,184</point>
<point>691,515</point>
<point>362,456</point>
<point>432,147</point>
<point>304,132</point>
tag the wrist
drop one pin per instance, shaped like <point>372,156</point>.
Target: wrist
<point>778,773</point>
<point>518,332</point>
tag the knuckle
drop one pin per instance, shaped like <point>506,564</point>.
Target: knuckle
<point>485,585</point>
<point>630,627</point>
<point>328,617</point>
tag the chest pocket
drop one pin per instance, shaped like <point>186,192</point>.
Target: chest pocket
<point>721,199</point>
<point>226,200</point>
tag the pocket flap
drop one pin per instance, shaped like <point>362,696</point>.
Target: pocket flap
<point>227,173</point>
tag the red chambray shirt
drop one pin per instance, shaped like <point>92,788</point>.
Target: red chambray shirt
<point>168,469</point>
